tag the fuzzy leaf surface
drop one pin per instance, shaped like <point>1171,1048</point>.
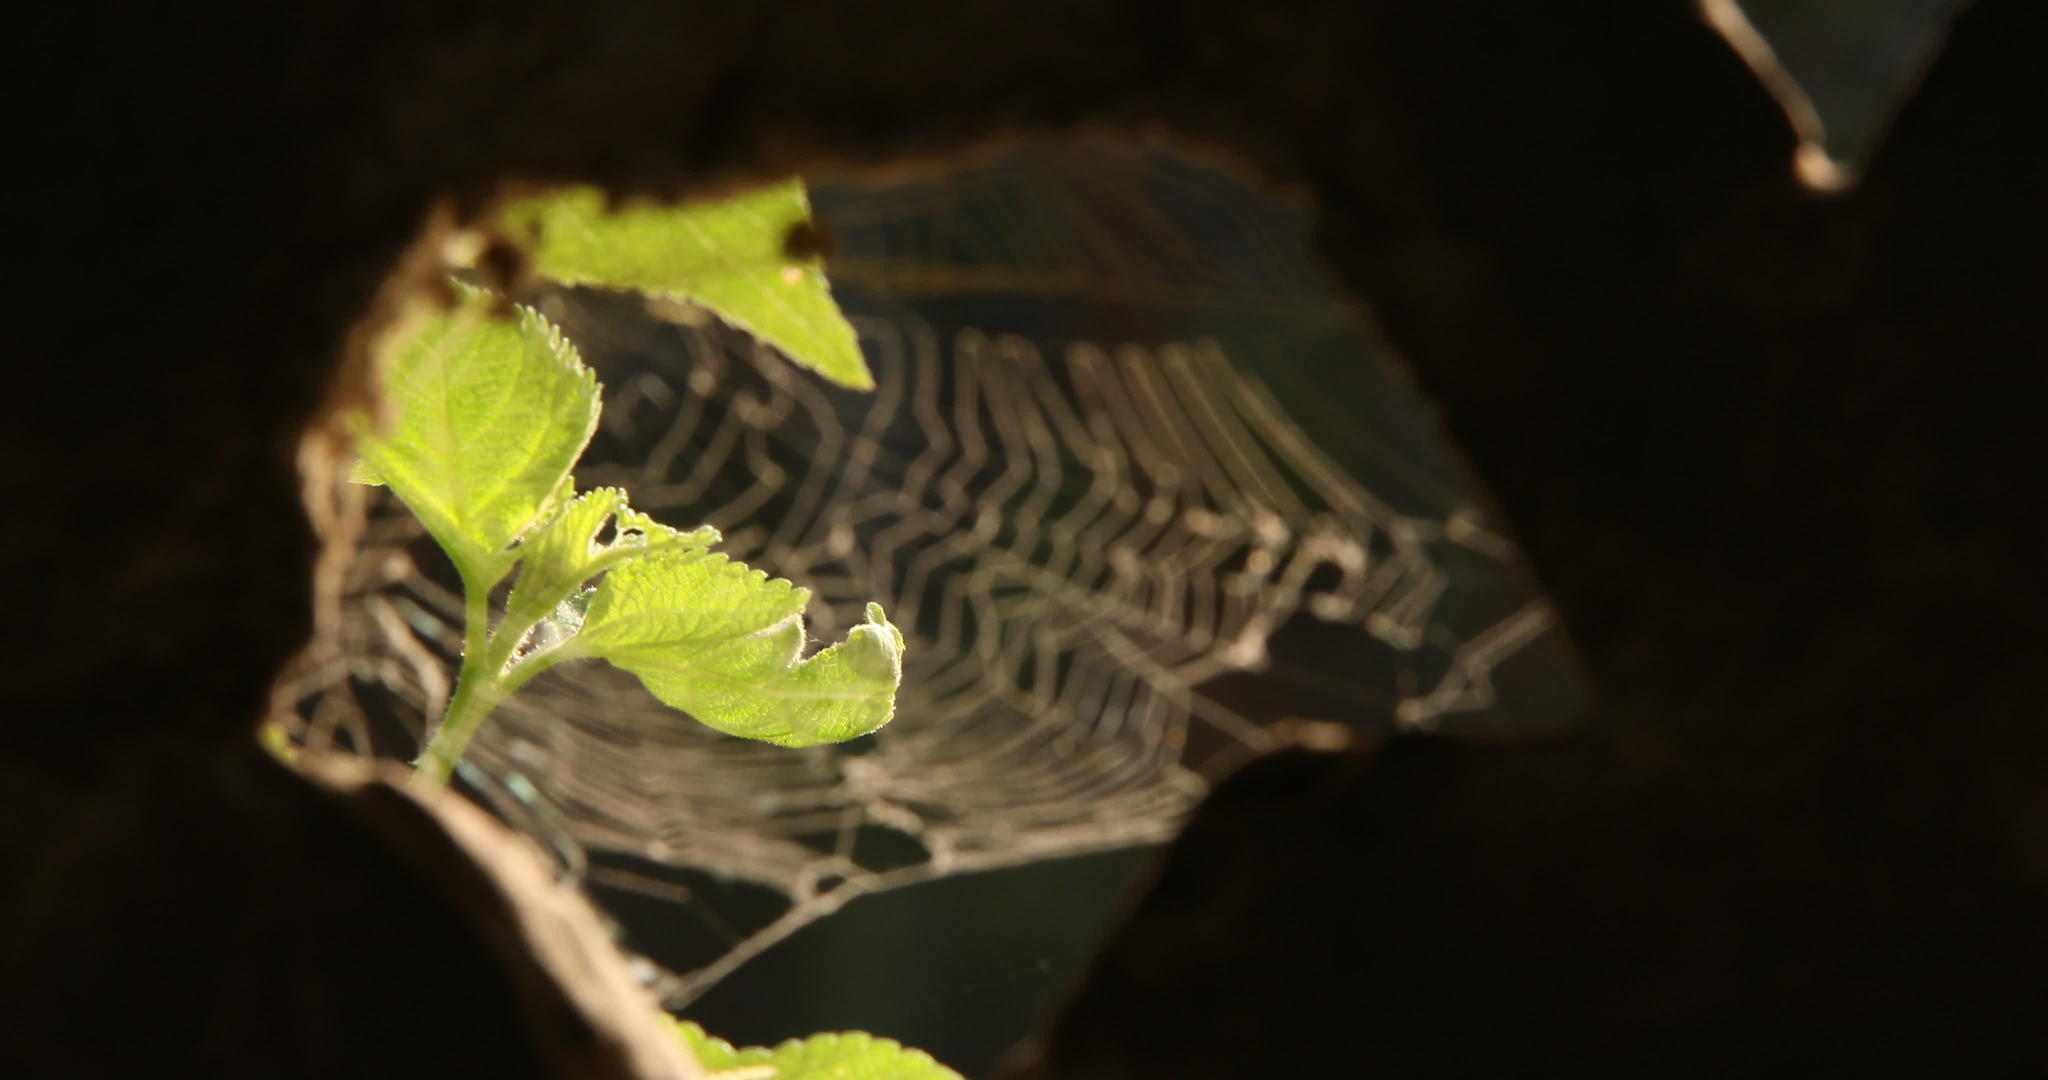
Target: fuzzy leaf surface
<point>561,555</point>
<point>724,643</point>
<point>490,413</point>
<point>850,1055</point>
<point>726,256</point>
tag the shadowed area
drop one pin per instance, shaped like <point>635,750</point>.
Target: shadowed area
<point>1766,449</point>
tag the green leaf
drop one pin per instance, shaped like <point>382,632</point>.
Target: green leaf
<point>724,643</point>
<point>851,1055</point>
<point>727,256</point>
<point>561,555</point>
<point>491,413</point>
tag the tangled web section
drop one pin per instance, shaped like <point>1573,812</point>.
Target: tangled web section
<point>1135,486</point>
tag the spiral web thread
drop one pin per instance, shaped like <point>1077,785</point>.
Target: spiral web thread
<point>1123,564</point>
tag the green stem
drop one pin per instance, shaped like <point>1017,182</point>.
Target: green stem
<point>534,664</point>
<point>476,692</point>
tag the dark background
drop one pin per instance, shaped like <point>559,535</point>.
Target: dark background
<point>967,967</point>
<point>1844,667</point>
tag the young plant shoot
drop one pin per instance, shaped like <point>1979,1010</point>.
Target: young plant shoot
<point>492,408</point>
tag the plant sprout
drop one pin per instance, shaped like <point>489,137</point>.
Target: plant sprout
<point>492,412</point>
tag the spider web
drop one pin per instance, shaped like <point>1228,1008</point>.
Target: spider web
<point>1142,498</point>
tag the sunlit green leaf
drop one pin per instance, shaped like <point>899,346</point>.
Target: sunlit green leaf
<point>565,552</point>
<point>490,413</point>
<point>851,1055</point>
<point>361,473</point>
<point>727,256</point>
<point>725,644</point>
